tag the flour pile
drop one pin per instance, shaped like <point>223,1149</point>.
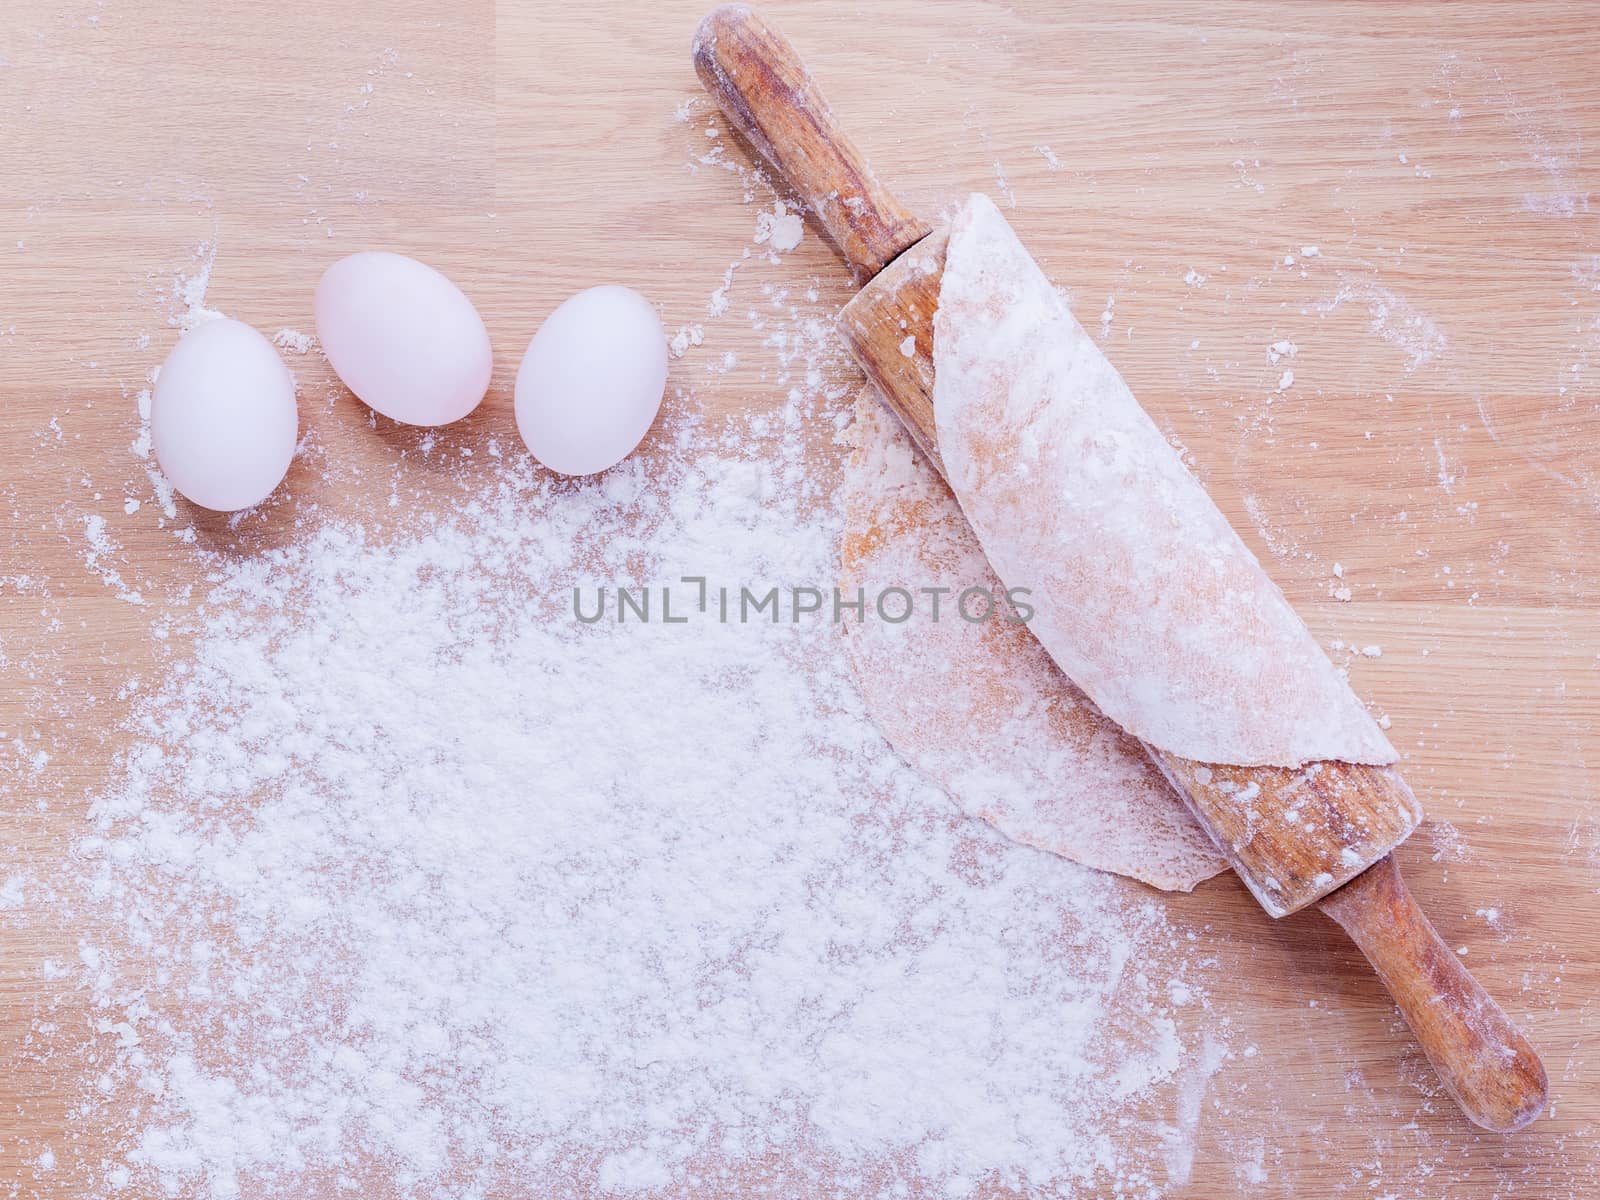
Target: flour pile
<point>421,886</point>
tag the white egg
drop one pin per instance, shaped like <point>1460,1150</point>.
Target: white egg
<point>591,382</point>
<point>223,417</point>
<point>403,338</point>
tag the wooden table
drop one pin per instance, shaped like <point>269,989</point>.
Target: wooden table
<point>1437,452</point>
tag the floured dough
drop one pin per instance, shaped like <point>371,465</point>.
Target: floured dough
<point>1144,594</point>
<point>980,708</point>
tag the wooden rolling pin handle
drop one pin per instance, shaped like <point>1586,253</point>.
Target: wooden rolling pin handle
<point>1487,1065</point>
<point>768,95</point>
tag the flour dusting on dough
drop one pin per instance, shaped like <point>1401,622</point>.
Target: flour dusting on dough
<point>980,707</point>
<point>1145,595</point>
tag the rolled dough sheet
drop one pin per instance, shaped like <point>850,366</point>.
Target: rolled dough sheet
<point>979,707</point>
<point>1144,593</point>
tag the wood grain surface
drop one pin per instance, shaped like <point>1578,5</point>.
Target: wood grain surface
<point>1359,812</point>
<point>1437,451</point>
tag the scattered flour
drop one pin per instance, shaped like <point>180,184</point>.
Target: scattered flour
<point>1180,1136</point>
<point>189,289</point>
<point>1448,844</point>
<point>293,341</point>
<point>687,336</point>
<point>143,448</point>
<point>1395,319</point>
<point>98,558</point>
<point>779,229</point>
<point>465,895</point>
<point>718,304</point>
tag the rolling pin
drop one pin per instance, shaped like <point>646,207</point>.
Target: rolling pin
<point>1337,854</point>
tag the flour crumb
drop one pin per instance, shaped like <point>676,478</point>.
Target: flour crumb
<point>718,304</point>
<point>141,444</point>
<point>1448,844</point>
<point>98,559</point>
<point>293,340</point>
<point>189,289</point>
<point>687,336</point>
<point>1253,1170</point>
<point>779,229</point>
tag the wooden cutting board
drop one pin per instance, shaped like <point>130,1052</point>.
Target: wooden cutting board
<point>1439,441</point>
